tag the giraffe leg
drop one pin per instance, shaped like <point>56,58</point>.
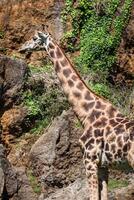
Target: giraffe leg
<point>92,175</point>
<point>103,182</point>
<point>130,156</point>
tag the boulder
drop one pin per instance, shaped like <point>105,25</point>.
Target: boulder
<point>13,72</point>
<point>56,157</point>
<point>126,193</point>
<point>12,122</point>
<point>12,75</point>
<point>9,181</point>
<point>75,191</point>
<point>25,192</point>
<point>79,191</point>
<point>1,181</point>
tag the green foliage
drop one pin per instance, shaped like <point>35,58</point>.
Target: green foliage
<point>40,69</point>
<point>114,184</point>
<point>43,104</point>
<point>100,36</point>
<point>43,107</point>
<point>69,38</point>
<point>100,25</point>
<point>39,126</point>
<point>122,166</point>
<point>34,182</point>
<point>32,103</point>
<point>53,103</point>
<point>101,89</point>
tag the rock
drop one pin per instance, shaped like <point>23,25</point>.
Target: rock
<point>1,182</point>
<point>11,183</point>
<point>79,191</point>
<point>75,191</point>
<point>12,75</point>
<point>56,157</point>
<point>20,19</point>
<point>12,123</point>
<point>126,193</point>
<point>25,192</point>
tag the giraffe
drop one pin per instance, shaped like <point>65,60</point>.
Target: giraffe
<point>108,136</point>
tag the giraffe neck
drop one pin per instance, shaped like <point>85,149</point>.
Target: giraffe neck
<point>80,97</point>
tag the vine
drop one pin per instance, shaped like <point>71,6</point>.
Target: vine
<point>99,24</point>
<point>97,28</point>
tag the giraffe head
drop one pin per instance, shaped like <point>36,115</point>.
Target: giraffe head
<point>39,41</point>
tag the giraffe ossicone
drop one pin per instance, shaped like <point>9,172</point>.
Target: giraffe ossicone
<point>108,136</point>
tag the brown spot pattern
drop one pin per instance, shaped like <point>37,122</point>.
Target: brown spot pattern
<point>113,148</point>
<point>70,83</point>
<point>107,147</point>
<point>58,53</point>
<point>99,105</point>
<point>111,112</point>
<point>86,135</point>
<point>74,77</point>
<point>67,72</point>
<point>52,54</point>
<point>64,62</point>
<point>51,46</point>
<point>94,115</point>
<point>87,106</point>
<point>113,122</point>
<point>98,133</point>
<point>124,121</point>
<point>107,131</point>
<point>130,124</point>
<point>119,129</point>
<point>119,141</point>
<point>88,96</point>
<point>57,67</point>
<point>125,149</point>
<point>80,86</point>
<point>101,123</point>
<point>94,157</point>
<point>119,115</point>
<point>77,94</point>
<point>119,119</point>
<point>119,152</point>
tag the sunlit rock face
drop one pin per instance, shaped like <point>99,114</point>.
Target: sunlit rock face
<point>20,19</point>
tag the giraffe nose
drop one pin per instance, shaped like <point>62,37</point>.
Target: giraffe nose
<point>21,50</point>
<point>24,48</point>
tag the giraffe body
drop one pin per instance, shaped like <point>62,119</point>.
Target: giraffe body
<point>108,136</point>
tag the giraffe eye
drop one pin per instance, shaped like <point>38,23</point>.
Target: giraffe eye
<point>34,38</point>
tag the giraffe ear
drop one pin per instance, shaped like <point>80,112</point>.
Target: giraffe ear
<point>40,34</point>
